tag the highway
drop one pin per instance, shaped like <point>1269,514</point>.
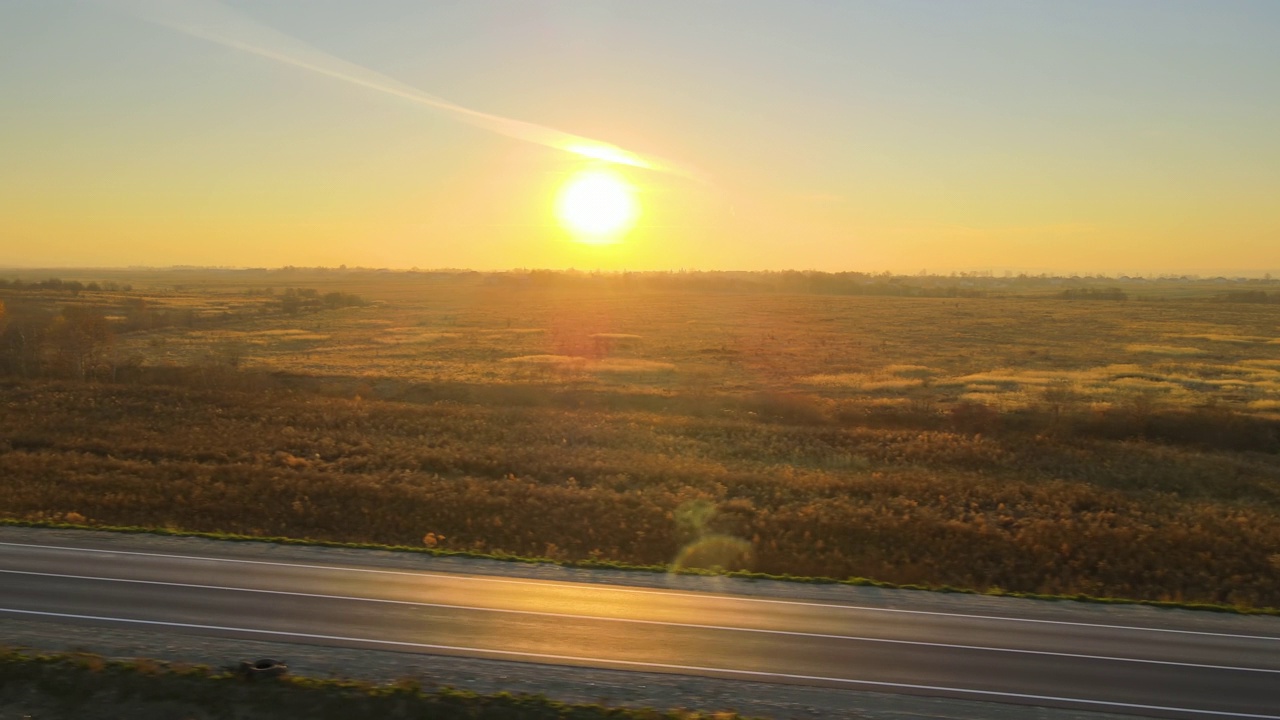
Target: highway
<point>1181,669</point>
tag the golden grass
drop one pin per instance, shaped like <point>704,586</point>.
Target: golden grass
<point>605,365</point>
<point>1218,337</point>
<point>1022,511</point>
<point>843,348</point>
<point>281,332</point>
<point>964,441</point>
<point>910,371</point>
<point>409,336</point>
<point>633,365</point>
<point>849,380</point>
<point>1164,349</point>
<point>548,360</point>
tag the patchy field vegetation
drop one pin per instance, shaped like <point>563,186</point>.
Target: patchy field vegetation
<point>974,432</point>
<point>82,685</point>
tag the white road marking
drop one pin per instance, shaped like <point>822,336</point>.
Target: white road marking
<point>665,623</point>
<point>668,593</point>
<point>660,666</point>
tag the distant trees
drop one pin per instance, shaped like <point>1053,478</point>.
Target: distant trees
<point>79,340</point>
<point>291,303</point>
<point>74,343</point>
<point>1090,293</point>
<point>1248,296</point>
<point>298,300</point>
<point>21,342</point>
<point>335,300</point>
<point>73,287</point>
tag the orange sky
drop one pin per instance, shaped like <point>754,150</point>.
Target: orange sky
<point>1070,137</point>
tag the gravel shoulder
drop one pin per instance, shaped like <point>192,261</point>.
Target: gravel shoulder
<point>565,683</point>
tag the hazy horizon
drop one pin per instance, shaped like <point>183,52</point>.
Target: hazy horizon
<point>1093,137</point>
<point>983,273</point>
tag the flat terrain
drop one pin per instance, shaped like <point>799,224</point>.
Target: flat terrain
<point>994,434</point>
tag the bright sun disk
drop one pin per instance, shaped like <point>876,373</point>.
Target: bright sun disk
<point>597,206</point>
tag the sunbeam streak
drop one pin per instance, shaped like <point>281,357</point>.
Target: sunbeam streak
<point>210,20</point>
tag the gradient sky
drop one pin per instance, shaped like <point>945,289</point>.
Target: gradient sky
<point>1106,136</point>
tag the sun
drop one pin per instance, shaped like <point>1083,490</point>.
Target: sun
<point>597,207</point>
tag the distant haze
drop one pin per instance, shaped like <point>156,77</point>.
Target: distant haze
<point>1092,136</point>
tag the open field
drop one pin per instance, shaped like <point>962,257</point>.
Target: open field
<point>994,435</point>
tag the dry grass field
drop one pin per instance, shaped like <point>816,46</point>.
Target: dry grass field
<point>993,435</point>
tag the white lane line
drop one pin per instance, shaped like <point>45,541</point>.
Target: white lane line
<point>668,593</point>
<point>659,666</point>
<point>663,623</point>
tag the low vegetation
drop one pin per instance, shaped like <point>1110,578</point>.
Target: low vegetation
<point>88,686</point>
<point>1004,443</point>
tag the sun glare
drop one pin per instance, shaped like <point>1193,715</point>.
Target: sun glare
<point>608,153</point>
<point>597,206</point>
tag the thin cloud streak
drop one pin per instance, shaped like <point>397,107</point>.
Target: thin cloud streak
<point>212,21</point>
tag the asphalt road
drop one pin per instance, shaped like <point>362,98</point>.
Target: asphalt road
<point>1177,669</point>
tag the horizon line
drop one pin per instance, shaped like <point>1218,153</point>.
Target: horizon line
<point>998,273</point>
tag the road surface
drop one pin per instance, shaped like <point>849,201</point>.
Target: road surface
<point>1177,669</point>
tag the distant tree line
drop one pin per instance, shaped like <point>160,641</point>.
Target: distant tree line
<point>1089,293</point>
<point>1248,296</point>
<point>74,287</point>
<point>975,284</point>
<point>859,283</point>
<point>793,282</point>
